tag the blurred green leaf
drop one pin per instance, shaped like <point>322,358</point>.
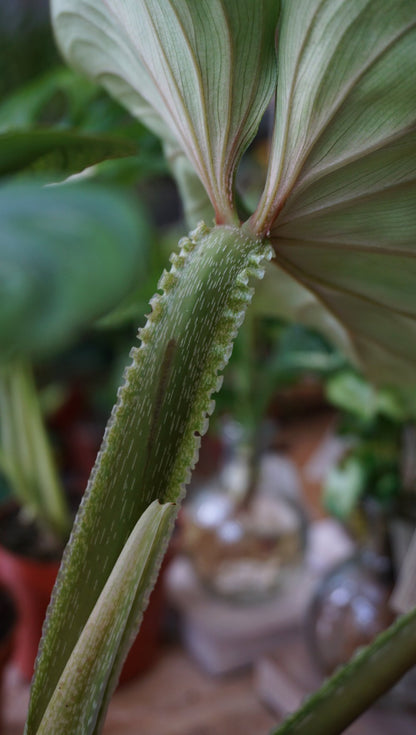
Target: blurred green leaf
<point>59,96</point>
<point>26,43</point>
<point>352,393</point>
<point>69,118</point>
<point>343,487</point>
<point>66,100</point>
<point>46,151</point>
<point>68,254</point>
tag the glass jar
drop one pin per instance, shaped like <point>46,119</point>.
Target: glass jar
<point>242,544</point>
<point>352,603</point>
<point>349,608</point>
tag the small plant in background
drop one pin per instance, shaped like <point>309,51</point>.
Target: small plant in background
<point>337,214</point>
<point>374,423</point>
<point>270,356</point>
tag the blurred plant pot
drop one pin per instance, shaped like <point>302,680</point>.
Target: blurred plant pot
<point>29,563</point>
<point>8,619</point>
<point>305,396</point>
<point>31,582</point>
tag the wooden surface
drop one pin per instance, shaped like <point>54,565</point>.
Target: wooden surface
<point>177,698</point>
<point>174,698</point>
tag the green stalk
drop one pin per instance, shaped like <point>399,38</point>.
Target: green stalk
<point>153,435</point>
<point>29,463</point>
<point>356,686</point>
<point>12,459</point>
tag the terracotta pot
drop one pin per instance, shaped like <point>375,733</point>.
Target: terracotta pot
<point>31,583</point>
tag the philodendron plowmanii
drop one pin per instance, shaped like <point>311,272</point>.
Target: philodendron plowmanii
<point>337,212</point>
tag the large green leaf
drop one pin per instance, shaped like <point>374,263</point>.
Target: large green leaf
<point>68,254</point>
<point>204,70</point>
<point>340,199</point>
<point>56,151</point>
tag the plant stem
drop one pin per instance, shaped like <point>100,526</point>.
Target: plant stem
<point>356,686</point>
<point>153,435</point>
<point>29,465</point>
